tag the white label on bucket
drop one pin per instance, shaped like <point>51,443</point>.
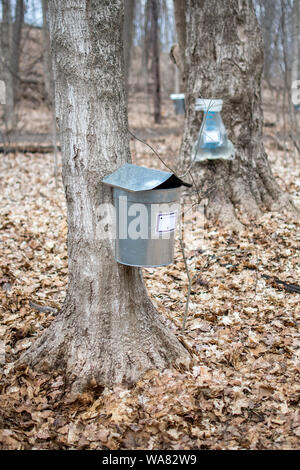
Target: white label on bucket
<point>166,222</point>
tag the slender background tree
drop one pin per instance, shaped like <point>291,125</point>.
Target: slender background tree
<point>128,33</point>
<point>11,30</point>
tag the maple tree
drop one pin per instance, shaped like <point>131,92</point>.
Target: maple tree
<point>222,57</point>
<point>241,390</point>
<point>107,331</point>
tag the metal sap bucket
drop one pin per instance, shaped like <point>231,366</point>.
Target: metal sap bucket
<point>178,100</point>
<point>147,208</point>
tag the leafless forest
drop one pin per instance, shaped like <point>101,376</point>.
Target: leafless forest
<point>201,354</point>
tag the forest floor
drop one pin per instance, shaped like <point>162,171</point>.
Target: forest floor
<point>243,389</point>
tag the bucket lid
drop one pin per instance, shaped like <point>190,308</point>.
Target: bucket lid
<point>139,178</point>
<point>208,105</point>
<point>177,96</point>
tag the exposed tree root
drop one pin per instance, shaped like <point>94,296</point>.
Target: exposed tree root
<point>240,194</point>
<point>106,352</point>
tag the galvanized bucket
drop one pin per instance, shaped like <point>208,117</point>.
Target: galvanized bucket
<point>178,100</point>
<point>147,211</point>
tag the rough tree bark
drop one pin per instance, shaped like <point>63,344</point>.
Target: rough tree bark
<point>48,73</point>
<point>155,59</point>
<point>268,18</point>
<point>177,60</point>
<point>10,57</point>
<point>179,49</point>
<point>6,76</point>
<point>16,44</point>
<point>49,82</point>
<point>108,331</point>
<point>224,59</point>
<point>128,31</point>
<point>295,29</point>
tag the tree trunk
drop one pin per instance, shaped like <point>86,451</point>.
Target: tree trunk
<point>16,43</point>
<point>295,59</point>
<point>49,82</point>
<point>128,31</point>
<point>108,330</point>
<point>175,56</point>
<point>268,18</point>
<point>6,76</point>
<point>155,59</point>
<point>180,20</point>
<point>48,73</point>
<point>224,59</point>
<point>295,68</point>
<point>176,80</point>
<point>290,62</point>
<point>10,57</point>
<point>146,44</point>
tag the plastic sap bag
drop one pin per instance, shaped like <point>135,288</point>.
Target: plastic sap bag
<point>212,142</point>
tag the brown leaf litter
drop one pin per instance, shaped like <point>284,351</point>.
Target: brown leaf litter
<point>243,391</point>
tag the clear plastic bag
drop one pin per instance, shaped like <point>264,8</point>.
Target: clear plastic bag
<point>212,142</point>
